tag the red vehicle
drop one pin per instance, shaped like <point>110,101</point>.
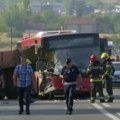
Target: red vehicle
<point>50,50</point>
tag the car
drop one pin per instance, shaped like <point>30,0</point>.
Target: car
<point>116,77</point>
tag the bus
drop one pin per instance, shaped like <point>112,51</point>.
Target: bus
<point>49,49</point>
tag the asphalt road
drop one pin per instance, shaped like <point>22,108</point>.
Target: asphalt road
<point>55,110</point>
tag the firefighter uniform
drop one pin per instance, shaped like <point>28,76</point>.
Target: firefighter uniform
<point>107,75</point>
<point>95,71</point>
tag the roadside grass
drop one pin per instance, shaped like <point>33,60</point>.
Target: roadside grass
<point>6,43</point>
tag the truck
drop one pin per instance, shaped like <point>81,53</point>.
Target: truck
<point>8,61</point>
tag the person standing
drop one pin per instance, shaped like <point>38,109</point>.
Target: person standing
<point>70,73</point>
<point>22,78</point>
<point>95,72</point>
<point>107,75</point>
<point>117,58</point>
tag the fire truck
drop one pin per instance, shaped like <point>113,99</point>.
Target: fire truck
<point>48,51</point>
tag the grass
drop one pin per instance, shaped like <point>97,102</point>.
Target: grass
<point>5,42</point>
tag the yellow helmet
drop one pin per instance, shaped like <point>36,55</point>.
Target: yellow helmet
<point>28,61</point>
<point>105,56</point>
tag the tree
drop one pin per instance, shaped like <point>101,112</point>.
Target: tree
<point>116,22</point>
<point>95,3</point>
<point>52,20</point>
<point>104,23</point>
<point>79,7</point>
<point>16,15</point>
<point>2,25</point>
<point>69,7</point>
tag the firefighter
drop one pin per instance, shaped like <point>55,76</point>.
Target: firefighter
<point>107,75</point>
<point>70,73</point>
<point>117,58</point>
<point>28,62</point>
<point>95,71</point>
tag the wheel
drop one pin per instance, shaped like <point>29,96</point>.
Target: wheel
<point>51,96</point>
<point>12,93</point>
<point>2,94</point>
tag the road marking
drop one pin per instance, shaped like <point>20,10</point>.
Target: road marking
<point>105,112</point>
<point>118,114</point>
<point>106,105</point>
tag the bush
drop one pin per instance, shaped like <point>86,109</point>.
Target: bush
<point>15,34</point>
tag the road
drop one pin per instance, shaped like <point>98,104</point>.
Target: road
<point>55,110</point>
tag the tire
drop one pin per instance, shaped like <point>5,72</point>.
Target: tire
<point>2,94</point>
<point>12,93</point>
<point>51,96</point>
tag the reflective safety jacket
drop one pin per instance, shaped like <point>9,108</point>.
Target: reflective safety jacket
<point>95,71</point>
<point>108,69</point>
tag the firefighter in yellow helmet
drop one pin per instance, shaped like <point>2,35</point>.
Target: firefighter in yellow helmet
<point>108,72</point>
<point>28,61</point>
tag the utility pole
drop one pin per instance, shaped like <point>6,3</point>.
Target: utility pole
<point>29,31</point>
<point>11,37</point>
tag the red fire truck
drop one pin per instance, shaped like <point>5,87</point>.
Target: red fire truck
<point>48,51</point>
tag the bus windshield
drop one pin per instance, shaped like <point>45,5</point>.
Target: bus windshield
<point>78,47</point>
<point>69,41</point>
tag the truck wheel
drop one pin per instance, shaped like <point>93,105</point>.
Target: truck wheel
<point>51,96</point>
<point>11,93</point>
<point>2,94</point>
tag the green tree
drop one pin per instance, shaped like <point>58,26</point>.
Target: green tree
<point>116,22</point>
<point>16,15</point>
<point>3,26</point>
<point>94,3</point>
<point>79,7</point>
<point>69,7</point>
<point>52,21</point>
<point>104,23</point>
<point>36,18</point>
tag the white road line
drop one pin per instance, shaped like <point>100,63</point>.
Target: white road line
<point>118,114</point>
<point>105,112</point>
<point>106,105</point>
